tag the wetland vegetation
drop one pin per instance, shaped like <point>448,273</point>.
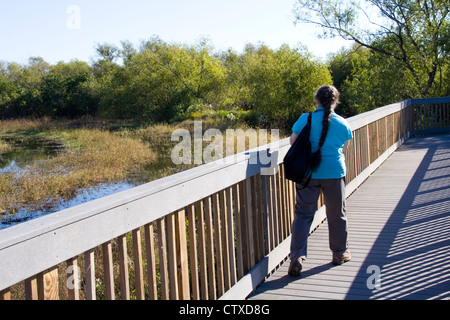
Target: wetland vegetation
<point>48,165</point>
<point>44,163</point>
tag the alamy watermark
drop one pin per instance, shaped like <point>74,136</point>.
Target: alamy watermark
<point>374,280</point>
<point>223,148</point>
<point>73,277</point>
<point>74,20</point>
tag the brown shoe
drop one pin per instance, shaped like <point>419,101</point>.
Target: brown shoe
<point>341,259</point>
<point>295,268</point>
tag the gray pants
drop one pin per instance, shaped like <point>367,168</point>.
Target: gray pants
<point>306,206</point>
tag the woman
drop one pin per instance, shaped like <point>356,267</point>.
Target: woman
<point>329,134</point>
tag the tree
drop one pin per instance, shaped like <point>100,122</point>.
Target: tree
<point>368,80</point>
<point>161,81</point>
<point>22,84</point>
<point>107,52</point>
<point>194,67</point>
<point>236,93</point>
<point>67,90</point>
<point>8,94</point>
<point>276,86</point>
<point>413,32</point>
<point>301,76</point>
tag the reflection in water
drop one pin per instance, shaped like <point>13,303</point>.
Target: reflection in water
<point>83,196</point>
<point>25,150</point>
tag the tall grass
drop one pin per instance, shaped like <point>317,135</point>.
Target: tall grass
<point>27,125</point>
<point>4,147</point>
<point>93,156</point>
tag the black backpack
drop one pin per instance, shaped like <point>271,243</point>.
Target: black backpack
<point>297,162</point>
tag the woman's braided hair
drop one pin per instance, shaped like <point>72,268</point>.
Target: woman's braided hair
<point>328,97</point>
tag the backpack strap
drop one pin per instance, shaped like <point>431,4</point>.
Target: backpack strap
<point>309,174</point>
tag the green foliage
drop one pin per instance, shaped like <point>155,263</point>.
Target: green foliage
<point>275,86</point>
<point>162,82</point>
<point>38,89</point>
<point>414,33</point>
<point>367,80</point>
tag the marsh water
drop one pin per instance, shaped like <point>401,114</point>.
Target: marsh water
<point>26,150</point>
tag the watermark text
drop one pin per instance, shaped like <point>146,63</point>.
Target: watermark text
<point>192,149</point>
<point>74,20</point>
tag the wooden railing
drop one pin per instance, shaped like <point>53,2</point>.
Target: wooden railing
<point>215,231</point>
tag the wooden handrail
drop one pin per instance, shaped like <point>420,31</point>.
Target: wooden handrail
<point>224,218</point>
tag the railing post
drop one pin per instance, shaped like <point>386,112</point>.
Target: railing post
<point>183,267</point>
<point>31,288</point>
<point>210,250</point>
<point>123,266</point>
<point>202,250</point>
<point>230,236</point>
<point>151,261</point>
<point>108,270</point>
<point>218,244</point>
<point>5,295</point>
<point>74,279</point>
<point>138,267</point>
<point>238,221</point>
<point>48,288</point>
<point>162,253</point>
<point>89,267</point>
<point>172,257</point>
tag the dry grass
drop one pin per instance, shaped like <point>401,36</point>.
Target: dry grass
<point>94,157</point>
<point>17,125</point>
<point>4,147</point>
<point>159,136</point>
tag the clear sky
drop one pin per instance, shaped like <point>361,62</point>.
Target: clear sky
<point>61,30</point>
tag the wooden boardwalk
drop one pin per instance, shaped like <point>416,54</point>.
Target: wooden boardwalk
<point>399,234</point>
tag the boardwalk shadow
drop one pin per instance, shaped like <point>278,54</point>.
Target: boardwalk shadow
<point>410,258</point>
<point>287,280</point>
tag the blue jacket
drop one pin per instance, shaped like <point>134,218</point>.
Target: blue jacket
<point>339,132</point>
